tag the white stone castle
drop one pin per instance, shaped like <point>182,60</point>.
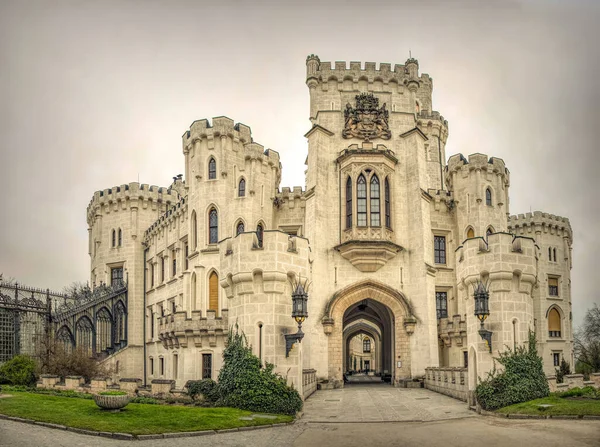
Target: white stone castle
<point>392,239</point>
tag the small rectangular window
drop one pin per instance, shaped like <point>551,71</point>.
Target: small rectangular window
<point>151,274</point>
<point>116,276</point>
<point>465,359</point>
<point>207,366</point>
<point>162,269</point>
<point>151,324</point>
<point>556,358</point>
<point>175,366</point>
<point>161,366</point>
<point>151,366</point>
<point>187,253</point>
<point>439,249</point>
<point>441,304</point>
<point>174,257</point>
<point>553,286</point>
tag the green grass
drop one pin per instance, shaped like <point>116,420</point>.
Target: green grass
<point>137,419</point>
<point>561,407</point>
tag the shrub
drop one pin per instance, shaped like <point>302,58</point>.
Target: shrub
<point>145,400</point>
<point>588,391</point>
<point>112,393</point>
<point>245,385</point>
<point>20,370</point>
<point>563,370</point>
<point>522,379</point>
<point>61,362</point>
<point>205,387</point>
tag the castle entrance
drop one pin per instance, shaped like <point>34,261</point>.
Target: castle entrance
<point>367,339</point>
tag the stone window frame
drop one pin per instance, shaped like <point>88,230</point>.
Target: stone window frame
<point>439,309</point>
<point>368,172</point>
<point>236,228</point>
<point>212,168</point>
<point>241,187</point>
<point>436,235</point>
<point>489,196</point>
<point>554,290</point>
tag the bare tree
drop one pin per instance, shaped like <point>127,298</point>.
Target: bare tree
<point>587,341</point>
<point>77,289</point>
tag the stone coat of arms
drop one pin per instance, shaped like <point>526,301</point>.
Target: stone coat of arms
<point>367,120</point>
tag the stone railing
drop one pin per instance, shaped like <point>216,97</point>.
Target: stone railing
<point>452,382</point>
<point>573,381</point>
<point>160,388</point>
<point>309,382</point>
<point>177,330</point>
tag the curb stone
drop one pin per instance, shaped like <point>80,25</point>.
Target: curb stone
<point>536,416</point>
<point>130,437</point>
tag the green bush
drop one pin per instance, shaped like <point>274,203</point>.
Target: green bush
<point>205,387</point>
<point>112,393</point>
<point>145,400</point>
<point>563,370</point>
<point>522,379</point>
<point>588,391</point>
<point>245,385</point>
<point>20,370</point>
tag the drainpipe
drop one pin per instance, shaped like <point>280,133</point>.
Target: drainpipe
<point>145,318</point>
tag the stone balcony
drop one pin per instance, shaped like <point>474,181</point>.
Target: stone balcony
<point>368,248</point>
<point>177,330</point>
<point>452,330</point>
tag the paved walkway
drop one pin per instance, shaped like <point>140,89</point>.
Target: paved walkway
<point>382,403</point>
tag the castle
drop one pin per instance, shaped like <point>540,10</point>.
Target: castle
<point>394,241</point>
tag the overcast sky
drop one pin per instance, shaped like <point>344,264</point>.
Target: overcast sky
<point>97,94</point>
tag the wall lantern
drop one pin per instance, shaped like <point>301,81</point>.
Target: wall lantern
<point>482,311</point>
<point>299,313</point>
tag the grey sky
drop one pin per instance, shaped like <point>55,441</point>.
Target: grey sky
<point>93,94</point>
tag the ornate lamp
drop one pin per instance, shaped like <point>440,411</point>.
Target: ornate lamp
<point>482,311</point>
<point>299,313</point>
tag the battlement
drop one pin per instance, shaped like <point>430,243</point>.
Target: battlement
<point>425,117</point>
<point>476,161</point>
<point>342,70</point>
<point>172,213</point>
<point>287,193</point>
<point>127,192</point>
<point>542,220</point>
<point>221,126</point>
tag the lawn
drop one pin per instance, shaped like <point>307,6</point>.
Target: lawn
<point>560,406</point>
<point>137,419</point>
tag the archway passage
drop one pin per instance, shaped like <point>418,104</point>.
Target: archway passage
<point>368,342</point>
<point>375,310</point>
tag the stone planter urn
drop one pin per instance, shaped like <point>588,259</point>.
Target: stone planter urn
<point>111,402</point>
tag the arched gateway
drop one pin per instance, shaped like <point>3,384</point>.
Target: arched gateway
<point>376,309</point>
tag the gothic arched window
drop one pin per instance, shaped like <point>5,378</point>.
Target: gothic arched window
<point>84,334</point>
<point>554,323</point>
<point>213,226</point>
<point>239,229</point>
<point>120,240</point>
<point>489,231</point>
<point>488,197</point>
<point>259,234</point>
<point>375,206</point>
<point>114,238</point>
<point>361,201</point>
<point>212,169</point>
<point>242,188</point>
<point>103,330</point>
<point>388,209</point>
<point>213,291</point>
<point>349,203</point>
<point>470,233</point>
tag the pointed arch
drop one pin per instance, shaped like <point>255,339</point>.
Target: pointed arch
<point>120,238</point>
<point>65,338</point>
<point>375,202</point>
<point>113,238</point>
<point>470,233</point>
<point>361,201</point>
<point>84,335</point>
<point>348,203</point>
<point>212,168</point>
<point>242,188</point>
<point>213,226</point>
<point>103,330</point>
<point>120,326</point>
<point>260,233</point>
<point>488,196</point>
<point>213,291</point>
<point>489,231</point>
<point>388,204</point>
<point>239,227</point>
<point>554,321</point>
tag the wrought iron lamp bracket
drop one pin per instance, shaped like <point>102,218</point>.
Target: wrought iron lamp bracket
<point>290,339</point>
<point>487,336</point>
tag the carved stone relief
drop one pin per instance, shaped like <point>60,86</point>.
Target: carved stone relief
<point>366,120</point>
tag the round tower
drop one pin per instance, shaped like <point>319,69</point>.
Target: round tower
<point>480,186</point>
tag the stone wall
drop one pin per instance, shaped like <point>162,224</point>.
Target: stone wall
<point>573,381</point>
<point>452,382</point>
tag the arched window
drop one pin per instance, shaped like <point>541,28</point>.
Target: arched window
<point>239,229</point>
<point>549,253</point>
<point>120,323</point>
<point>213,291</point>
<point>212,169</point>
<point>213,226</point>
<point>554,251</point>
<point>259,234</point>
<point>388,209</point>
<point>349,203</point>
<point>488,232</point>
<point>120,237</point>
<point>194,223</point>
<point>193,290</point>
<point>242,188</point>
<point>84,334</point>
<point>65,339</point>
<point>470,233</point>
<point>366,344</point>
<point>375,208</point>
<point>114,238</point>
<point>554,323</point>
<point>488,197</point>
<point>103,330</point>
<point>361,201</point>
